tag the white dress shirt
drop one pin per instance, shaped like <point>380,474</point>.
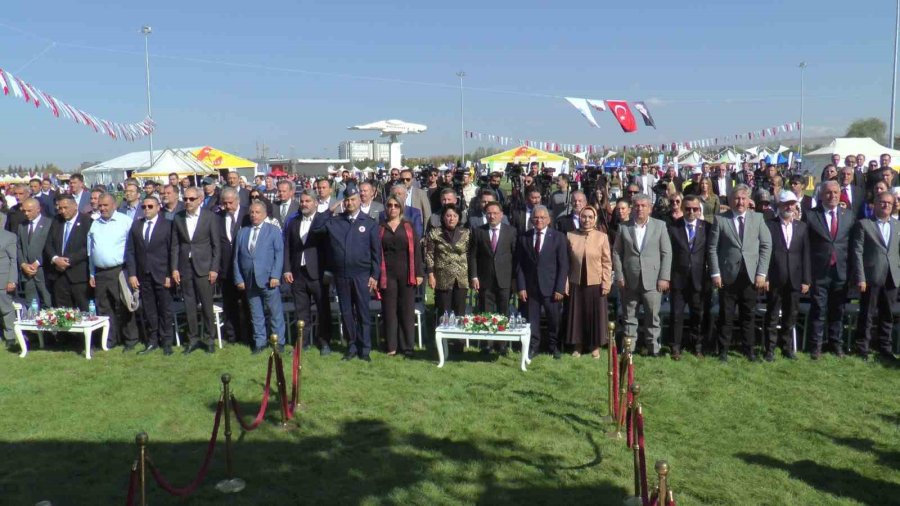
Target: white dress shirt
<point>639,232</point>
<point>305,224</point>
<point>885,228</point>
<point>787,228</point>
<point>191,221</point>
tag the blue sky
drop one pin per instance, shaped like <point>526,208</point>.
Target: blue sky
<point>295,74</point>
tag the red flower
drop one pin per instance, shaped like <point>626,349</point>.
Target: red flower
<point>466,320</point>
<point>494,320</point>
<point>501,328</point>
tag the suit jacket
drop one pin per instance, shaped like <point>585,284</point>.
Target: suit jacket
<point>313,248</point>
<point>642,268</point>
<point>448,261</point>
<point>84,203</point>
<point>138,211</point>
<point>354,248</point>
<point>728,253</point>
<point>875,261</point>
<point>241,220</point>
<point>293,207</point>
<point>413,215</point>
<point>14,218</point>
<point>48,204</point>
<point>28,251</point>
<point>211,203</point>
<point>9,269</point>
<point>689,261</point>
<point>266,260</point>
<point>566,223</point>
<point>729,187</point>
<point>520,220</point>
<point>543,273</point>
<point>789,265</point>
<point>201,254</point>
<point>822,246</point>
<point>590,251</point>
<point>375,210</point>
<point>488,265</point>
<point>419,200</point>
<point>75,250</point>
<point>149,258</point>
<point>857,200</point>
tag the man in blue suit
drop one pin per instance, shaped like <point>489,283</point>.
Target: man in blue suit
<point>355,262</point>
<point>542,268</point>
<point>258,260</point>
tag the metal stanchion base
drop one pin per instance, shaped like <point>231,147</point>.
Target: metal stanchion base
<point>632,501</point>
<point>607,419</point>
<point>231,486</point>
<point>287,427</point>
<point>615,435</point>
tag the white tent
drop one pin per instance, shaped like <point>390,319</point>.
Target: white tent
<point>728,156</point>
<point>117,169</point>
<point>177,161</point>
<point>843,146</point>
<point>691,159</point>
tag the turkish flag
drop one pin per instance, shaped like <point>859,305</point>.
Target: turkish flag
<point>620,110</point>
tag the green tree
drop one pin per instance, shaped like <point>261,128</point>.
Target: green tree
<point>868,127</point>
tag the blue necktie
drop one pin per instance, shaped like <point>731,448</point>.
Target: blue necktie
<point>691,235</point>
<point>66,235</point>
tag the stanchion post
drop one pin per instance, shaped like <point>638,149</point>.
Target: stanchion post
<point>611,338</point>
<point>636,446</point>
<point>623,391</point>
<point>296,399</point>
<point>662,470</point>
<point>226,393</point>
<point>141,440</point>
<point>273,342</point>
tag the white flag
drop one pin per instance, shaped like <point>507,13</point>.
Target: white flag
<point>582,106</point>
<point>599,105</point>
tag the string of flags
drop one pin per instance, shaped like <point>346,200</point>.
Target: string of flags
<point>618,108</point>
<point>31,94</point>
<point>763,135</point>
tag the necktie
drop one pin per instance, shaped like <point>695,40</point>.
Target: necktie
<point>253,237</point>
<point>147,229</point>
<point>232,228</point>
<point>691,235</point>
<point>741,228</point>
<point>834,230</point>
<point>66,235</point>
<point>537,243</point>
<point>847,195</point>
<point>494,240</point>
<point>30,231</point>
<point>284,209</point>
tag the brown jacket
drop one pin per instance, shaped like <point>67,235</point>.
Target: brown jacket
<point>594,249</point>
<point>448,262</point>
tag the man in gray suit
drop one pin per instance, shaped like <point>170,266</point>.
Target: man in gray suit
<point>32,236</point>
<point>739,249</point>
<point>367,202</point>
<point>286,206</point>
<point>415,197</point>
<point>642,259</point>
<point>9,276</point>
<point>877,273</point>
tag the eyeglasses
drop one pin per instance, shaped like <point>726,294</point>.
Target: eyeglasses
<point>692,209</point>
<point>145,206</point>
<point>631,192</point>
<point>392,205</point>
<point>191,199</point>
<point>406,179</point>
<point>678,201</point>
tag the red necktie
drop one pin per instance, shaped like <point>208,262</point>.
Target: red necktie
<point>834,230</point>
<point>494,240</point>
<point>537,243</point>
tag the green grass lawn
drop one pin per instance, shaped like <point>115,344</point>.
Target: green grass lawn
<point>481,431</point>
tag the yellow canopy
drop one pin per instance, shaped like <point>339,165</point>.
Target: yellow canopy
<point>523,154</point>
<point>216,159</point>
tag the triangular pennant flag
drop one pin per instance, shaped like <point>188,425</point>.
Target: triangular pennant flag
<point>619,109</point>
<point>645,114</point>
<point>14,85</point>
<point>3,83</point>
<point>582,106</point>
<point>597,104</point>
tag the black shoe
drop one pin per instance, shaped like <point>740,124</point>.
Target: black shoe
<point>325,351</point>
<point>557,355</point>
<point>366,358</point>
<point>676,355</point>
<point>723,357</point>
<point>531,354</point>
<point>485,351</point>
<point>211,348</point>
<point>815,354</point>
<point>864,357</point>
<point>888,359</point>
<point>408,354</point>
<point>504,351</point>
<point>127,348</point>
<point>257,351</point>
<point>147,350</point>
<point>790,355</point>
<point>192,348</point>
<point>11,345</point>
<point>280,348</point>
<point>348,357</point>
<point>770,356</point>
<point>167,351</point>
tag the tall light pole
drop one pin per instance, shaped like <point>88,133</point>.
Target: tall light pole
<point>462,124</point>
<point>803,66</point>
<point>894,76</point>
<point>146,30</point>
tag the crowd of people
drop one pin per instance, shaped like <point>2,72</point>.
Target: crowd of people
<point>625,240</point>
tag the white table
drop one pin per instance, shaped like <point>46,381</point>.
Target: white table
<point>522,335</point>
<point>86,327</point>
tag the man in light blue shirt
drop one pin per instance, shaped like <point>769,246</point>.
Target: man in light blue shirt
<point>106,256</point>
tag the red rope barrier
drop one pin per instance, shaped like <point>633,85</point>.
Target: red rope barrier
<point>262,407</point>
<point>654,499</point>
<point>191,487</point>
<point>639,426</point>
<point>615,376</point>
<point>629,428</point>
<point>282,387</point>
<point>630,382</point>
<point>132,485</point>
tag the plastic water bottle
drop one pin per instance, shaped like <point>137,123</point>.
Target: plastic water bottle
<point>445,319</point>
<point>92,309</point>
<point>34,309</point>
<point>452,321</point>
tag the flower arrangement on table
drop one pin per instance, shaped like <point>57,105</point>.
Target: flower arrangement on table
<point>58,318</point>
<point>485,322</point>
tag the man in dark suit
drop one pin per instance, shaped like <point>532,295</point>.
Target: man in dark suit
<point>876,249</point>
<point>171,205</point>
<point>31,239</point>
<point>210,197</point>
<point>804,205</point>
<point>722,185</point>
<point>196,260</point>
<point>830,228</point>
<point>852,195</point>
<point>236,327</point>
<point>304,265</point>
<point>690,283</point>
<point>15,216</point>
<point>147,250</point>
<point>476,216</point>
<point>233,180</point>
<point>66,255</point>
<point>258,260</point>
<point>522,219</point>
<point>542,268</point>
<point>740,248</point>
<point>491,258</point>
<point>81,194</point>
<point>572,221</point>
<point>447,197</point>
<point>285,206</point>
<point>789,275</point>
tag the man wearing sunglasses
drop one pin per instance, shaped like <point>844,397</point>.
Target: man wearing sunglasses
<point>415,197</point>
<point>690,284</point>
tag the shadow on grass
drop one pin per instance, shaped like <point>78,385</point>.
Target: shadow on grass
<point>364,461</point>
<point>838,482</point>
<point>885,458</point>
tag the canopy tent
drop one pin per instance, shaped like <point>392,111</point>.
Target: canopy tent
<point>525,154</point>
<point>173,160</point>
<point>118,169</point>
<point>691,159</point>
<point>220,160</point>
<point>816,160</point>
<point>728,156</point>
<point>778,159</point>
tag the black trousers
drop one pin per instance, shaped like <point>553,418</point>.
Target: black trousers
<point>533,306</point>
<point>309,292</point>
<point>67,294</point>
<point>236,328</point>
<point>493,299</point>
<point>828,298</point>
<point>453,299</point>
<point>156,303</point>
<point>399,311</point>
<point>693,299</point>
<point>875,317</point>
<point>737,298</point>
<point>198,296</point>
<point>782,299</point>
<point>122,328</point>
